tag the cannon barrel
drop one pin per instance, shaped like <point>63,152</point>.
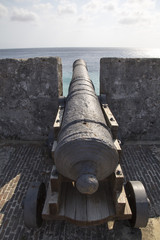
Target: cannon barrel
<point>85,150</point>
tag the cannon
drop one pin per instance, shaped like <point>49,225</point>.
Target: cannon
<point>87,184</point>
<point>83,135</point>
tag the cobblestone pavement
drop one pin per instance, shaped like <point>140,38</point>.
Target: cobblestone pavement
<point>23,163</point>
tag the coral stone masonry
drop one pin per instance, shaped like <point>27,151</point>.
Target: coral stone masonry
<point>132,87</point>
<point>29,91</point>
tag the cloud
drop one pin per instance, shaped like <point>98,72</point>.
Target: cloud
<point>43,6</point>
<point>109,6</point>
<point>142,3</point>
<point>99,5</point>
<point>67,8</point>
<point>126,12</point>
<point>3,11</point>
<point>136,18</point>
<point>129,20</point>
<point>83,18</point>
<point>136,12</point>
<point>23,15</point>
<point>92,6</point>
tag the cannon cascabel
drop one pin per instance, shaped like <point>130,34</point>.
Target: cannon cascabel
<point>85,151</point>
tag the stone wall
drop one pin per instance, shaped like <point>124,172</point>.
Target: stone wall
<point>29,91</point>
<point>132,88</point>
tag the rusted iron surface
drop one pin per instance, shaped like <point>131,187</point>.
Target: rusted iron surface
<point>85,151</point>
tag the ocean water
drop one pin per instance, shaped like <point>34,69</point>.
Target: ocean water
<point>92,57</point>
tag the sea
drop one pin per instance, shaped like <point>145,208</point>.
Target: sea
<point>91,55</point>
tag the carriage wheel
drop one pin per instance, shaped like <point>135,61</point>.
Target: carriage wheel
<point>33,204</point>
<point>139,203</point>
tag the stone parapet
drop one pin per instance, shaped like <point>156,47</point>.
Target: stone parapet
<point>29,90</point>
<point>132,88</point>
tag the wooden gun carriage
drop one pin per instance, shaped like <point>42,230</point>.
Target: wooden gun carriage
<point>86,184</point>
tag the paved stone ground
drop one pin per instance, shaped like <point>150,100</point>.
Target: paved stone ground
<point>142,162</point>
<point>22,163</point>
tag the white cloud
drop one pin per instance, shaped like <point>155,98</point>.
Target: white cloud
<point>102,22</point>
<point>142,3</point>
<point>43,6</point>
<point>92,6</point>
<point>67,8</point>
<point>109,6</point>
<point>135,17</point>
<point>3,10</point>
<point>98,12</point>
<point>99,5</point>
<point>84,19</point>
<point>136,12</point>
<point>23,15</point>
<point>124,12</point>
<point>129,20</point>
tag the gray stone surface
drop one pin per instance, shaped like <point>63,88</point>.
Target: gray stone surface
<point>29,92</point>
<point>28,162</point>
<point>132,87</point>
<point>5,154</point>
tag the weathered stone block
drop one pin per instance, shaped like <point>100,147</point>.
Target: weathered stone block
<point>132,87</point>
<point>29,91</point>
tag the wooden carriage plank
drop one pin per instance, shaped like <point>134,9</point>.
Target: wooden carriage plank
<point>64,194</point>
<point>81,212</point>
<point>54,203</point>
<point>93,213</point>
<point>98,204</point>
<point>55,180</point>
<point>127,210</point>
<point>45,212</point>
<point>127,214</point>
<point>120,202</point>
<point>58,121</point>
<point>110,120</point>
<point>110,203</point>
<point>104,206</point>
<point>70,203</point>
<point>118,147</point>
<point>85,210</point>
<point>117,180</point>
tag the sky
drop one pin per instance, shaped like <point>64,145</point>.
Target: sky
<point>79,23</point>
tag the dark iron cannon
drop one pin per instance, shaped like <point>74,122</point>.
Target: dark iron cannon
<point>86,184</point>
<point>85,150</point>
